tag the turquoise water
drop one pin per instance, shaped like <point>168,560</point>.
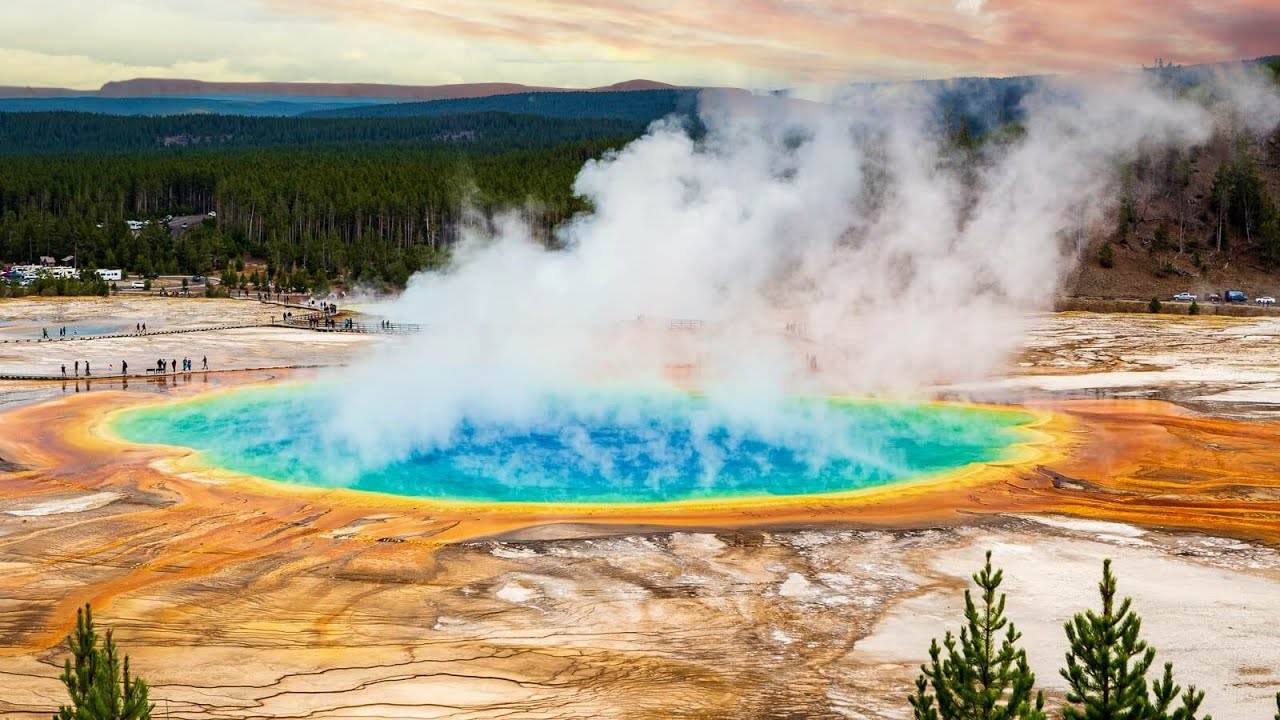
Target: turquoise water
<point>602,447</point>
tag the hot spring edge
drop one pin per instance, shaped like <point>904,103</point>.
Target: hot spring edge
<point>659,447</point>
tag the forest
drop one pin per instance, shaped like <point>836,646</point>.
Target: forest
<point>373,210</point>
<point>71,132</point>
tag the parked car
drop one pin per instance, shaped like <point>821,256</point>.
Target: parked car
<point>1184,297</point>
<point>137,284</point>
<point>1212,297</point>
<point>1235,296</point>
<point>1266,300</point>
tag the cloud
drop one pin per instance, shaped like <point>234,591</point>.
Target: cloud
<point>754,43</point>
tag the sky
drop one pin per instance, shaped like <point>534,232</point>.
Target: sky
<point>573,43</point>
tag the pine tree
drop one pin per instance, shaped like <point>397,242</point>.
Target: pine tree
<point>982,675</point>
<point>1164,691</point>
<point>97,681</point>
<point>1107,666</point>
<point>1107,662</point>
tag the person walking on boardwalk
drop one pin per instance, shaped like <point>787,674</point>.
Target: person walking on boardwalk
<point>205,360</point>
<point>87,372</point>
<point>64,369</point>
<point>77,368</point>
<point>45,332</point>
<point>124,367</point>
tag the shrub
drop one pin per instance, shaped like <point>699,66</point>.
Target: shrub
<point>1155,305</point>
<point>1107,255</point>
<point>1194,309</point>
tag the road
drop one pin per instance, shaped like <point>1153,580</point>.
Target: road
<point>182,223</point>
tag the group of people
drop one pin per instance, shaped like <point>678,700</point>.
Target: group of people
<point>328,322</point>
<point>162,366</point>
<point>140,328</point>
<point>187,364</point>
<point>62,332</point>
<point>87,370</point>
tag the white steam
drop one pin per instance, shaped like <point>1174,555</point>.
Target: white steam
<point>818,248</point>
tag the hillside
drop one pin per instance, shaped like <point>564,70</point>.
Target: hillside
<point>1165,238</point>
<point>637,105</point>
<point>150,87</point>
<point>144,96</point>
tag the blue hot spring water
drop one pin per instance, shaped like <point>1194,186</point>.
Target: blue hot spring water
<point>593,446</point>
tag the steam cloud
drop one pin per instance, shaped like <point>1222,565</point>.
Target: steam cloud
<point>843,237</point>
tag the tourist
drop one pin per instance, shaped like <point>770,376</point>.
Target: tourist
<point>124,367</point>
<point>205,359</point>
<point>64,369</point>
<point>45,332</point>
<point>173,364</point>
<point>87,372</point>
<point>144,328</point>
<point>77,368</point>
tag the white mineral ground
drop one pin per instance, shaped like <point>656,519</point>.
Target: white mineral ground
<point>564,622</point>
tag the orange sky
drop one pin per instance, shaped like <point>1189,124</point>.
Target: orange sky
<point>753,43</point>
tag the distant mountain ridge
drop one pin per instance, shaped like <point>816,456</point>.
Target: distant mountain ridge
<point>635,105</point>
<point>155,87</point>
<point>963,105</point>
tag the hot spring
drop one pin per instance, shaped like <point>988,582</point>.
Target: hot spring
<point>592,446</point>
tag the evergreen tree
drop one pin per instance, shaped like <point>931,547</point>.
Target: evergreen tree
<point>97,681</point>
<point>982,675</point>
<point>1107,255</point>
<point>1163,693</point>
<point>1107,666</point>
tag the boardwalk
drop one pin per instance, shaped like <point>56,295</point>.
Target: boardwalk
<point>304,323</point>
<point>148,333</point>
<point>152,375</point>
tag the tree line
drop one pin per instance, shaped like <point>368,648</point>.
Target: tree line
<point>373,213</point>
<point>25,133</point>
